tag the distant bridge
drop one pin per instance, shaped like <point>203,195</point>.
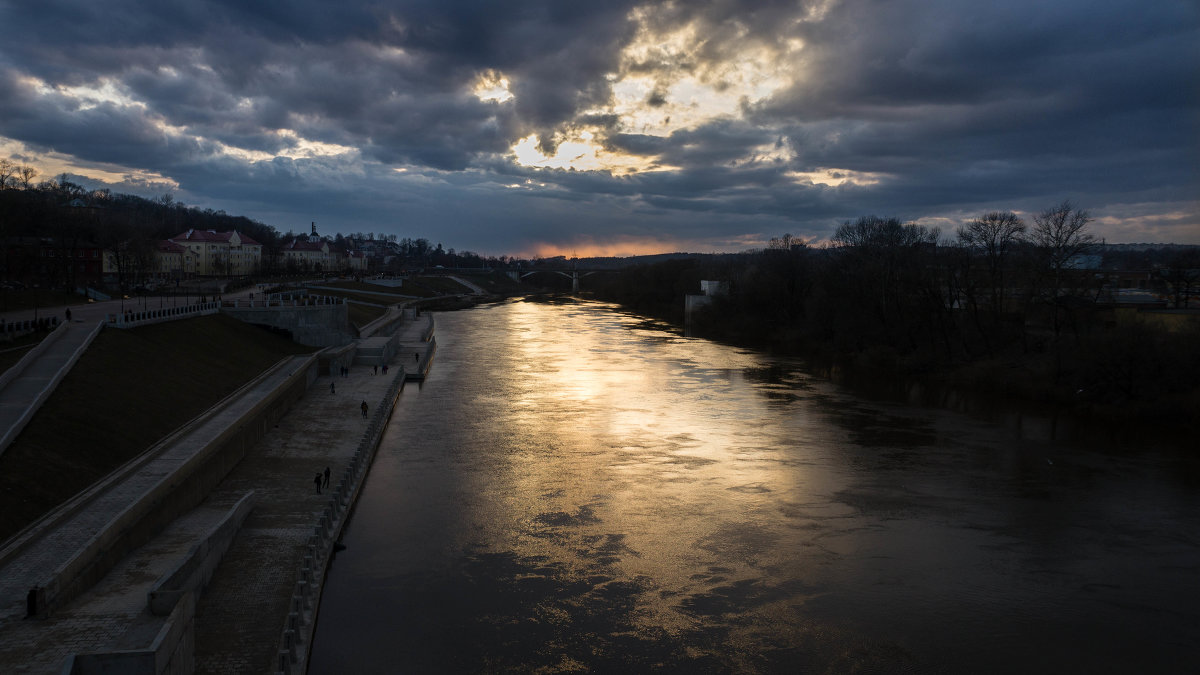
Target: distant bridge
<point>573,275</point>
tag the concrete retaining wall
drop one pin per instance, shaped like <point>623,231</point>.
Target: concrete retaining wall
<point>384,325</point>
<point>386,299</point>
<point>173,496</point>
<point>317,325</point>
<point>376,351</point>
<point>173,651</point>
<point>193,573</point>
<point>334,358</point>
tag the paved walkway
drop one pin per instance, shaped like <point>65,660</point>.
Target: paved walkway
<point>19,396</point>
<point>474,288</point>
<point>91,312</point>
<point>239,619</point>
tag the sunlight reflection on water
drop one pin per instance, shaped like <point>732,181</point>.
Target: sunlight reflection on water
<point>575,488</point>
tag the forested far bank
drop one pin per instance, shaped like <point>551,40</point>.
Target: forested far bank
<point>1042,313</point>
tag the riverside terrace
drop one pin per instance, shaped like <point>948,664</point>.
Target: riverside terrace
<point>219,526</point>
<point>319,321</point>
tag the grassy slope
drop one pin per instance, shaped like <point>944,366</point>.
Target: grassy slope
<point>128,390</point>
<point>439,285</point>
<point>361,315</point>
<point>498,283</point>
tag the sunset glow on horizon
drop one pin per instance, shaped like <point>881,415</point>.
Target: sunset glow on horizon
<point>595,249</point>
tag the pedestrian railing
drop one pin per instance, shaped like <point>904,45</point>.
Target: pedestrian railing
<point>288,300</point>
<point>15,329</point>
<point>133,319</point>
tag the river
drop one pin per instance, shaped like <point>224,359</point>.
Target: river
<point>577,489</point>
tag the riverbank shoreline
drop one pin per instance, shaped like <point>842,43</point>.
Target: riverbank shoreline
<point>234,612</point>
<point>1015,383</point>
<point>300,527</point>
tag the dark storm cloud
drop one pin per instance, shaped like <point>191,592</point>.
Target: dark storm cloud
<point>930,108</point>
<point>104,132</point>
<point>341,74</point>
<point>1001,102</point>
<point>922,53</point>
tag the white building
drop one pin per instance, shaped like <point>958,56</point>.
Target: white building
<point>221,254</point>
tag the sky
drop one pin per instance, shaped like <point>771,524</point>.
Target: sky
<point>545,127</point>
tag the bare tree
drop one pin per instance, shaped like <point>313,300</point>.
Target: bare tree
<point>7,171</point>
<point>71,189</point>
<point>25,176</point>
<point>885,265</point>
<point>784,243</point>
<point>1059,232</point>
<point>1179,276</point>
<point>992,236</point>
<point>1060,235</point>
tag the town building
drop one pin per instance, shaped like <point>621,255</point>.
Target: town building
<point>308,256</point>
<point>221,254</point>
<point>358,262</point>
<point>173,261</point>
<point>313,254</point>
<point>50,261</point>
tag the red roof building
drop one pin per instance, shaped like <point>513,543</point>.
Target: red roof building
<point>220,254</point>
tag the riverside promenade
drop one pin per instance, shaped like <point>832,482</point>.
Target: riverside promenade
<point>250,617</point>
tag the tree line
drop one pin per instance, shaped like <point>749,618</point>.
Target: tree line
<point>1001,304</point>
<point>130,227</point>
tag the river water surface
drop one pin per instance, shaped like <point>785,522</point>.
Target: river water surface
<point>575,489</point>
